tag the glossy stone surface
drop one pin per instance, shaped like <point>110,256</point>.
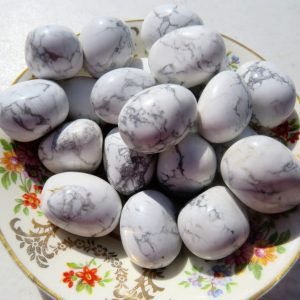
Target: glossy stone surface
<point>224,108</point>
<point>262,173</point>
<point>149,231</point>
<point>187,56</point>
<point>273,92</point>
<point>164,19</point>
<point>53,52</point>
<point>127,171</point>
<point>213,225</point>
<point>115,88</point>
<point>75,146</point>
<point>188,166</point>
<point>81,204</point>
<point>30,109</point>
<point>157,118</point>
<point>107,44</point>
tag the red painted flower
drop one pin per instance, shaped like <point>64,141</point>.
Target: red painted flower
<point>68,278</point>
<point>88,276</point>
<point>31,199</point>
<point>282,130</point>
<point>37,188</point>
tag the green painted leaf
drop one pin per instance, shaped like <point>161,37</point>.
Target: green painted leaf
<point>28,184</point>
<point>23,188</point>
<point>14,177</point>
<point>187,273</point>
<point>26,211</point>
<point>107,280</point>
<point>39,213</point>
<point>17,208</point>
<point>80,286</point>
<point>101,283</point>
<point>182,283</point>
<point>233,283</point>
<point>89,289</point>
<point>74,278</point>
<point>197,269</point>
<point>94,262</point>
<point>206,287</point>
<point>228,53</point>
<point>106,274</point>
<point>2,170</point>
<point>186,285</point>
<point>5,181</point>
<point>19,201</point>
<point>6,145</point>
<point>283,237</point>
<point>257,269</point>
<point>273,238</point>
<point>228,288</point>
<point>280,249</point>
<point>74,265</point>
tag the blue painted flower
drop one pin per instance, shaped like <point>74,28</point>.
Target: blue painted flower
<point>214,292</point>
<point>235,59</point>
<point>221,274</point>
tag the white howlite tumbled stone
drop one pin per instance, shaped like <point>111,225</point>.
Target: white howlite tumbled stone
<point>224,108</point>
<point>188,166</point>
<point>273,92</point>
<point>30,109</point>
<point>53,52</point>
<point>75,146</point>
<point>81,204</point>
<point>262,173</point>
<point>115,88</point>
<point>149,231</point>
<point>187,56</point>
<point>164,19</point>
<point>157,118</point>
<point>213,225</point>
<point>107,44</point>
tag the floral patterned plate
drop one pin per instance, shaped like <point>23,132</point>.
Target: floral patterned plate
<point>71,267</point>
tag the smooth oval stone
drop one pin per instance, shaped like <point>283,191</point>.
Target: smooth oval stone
<point>157,118</point>
<point>107,44</point>
<point>30,109</point>
<point>53,52</point>
<point>213,224</point>
<point>149,231</point>
<point>81,204</point>
<point>273,92</point>
<point>187,56</point>
<point>224,108</point>
<point>75,146</point>
<point>115,88</point>
<point>262,173</point>
<point>127,171</point>
<point>188,166</point>
<point>164,19</point>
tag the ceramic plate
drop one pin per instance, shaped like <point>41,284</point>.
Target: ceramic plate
<point>71,267</point>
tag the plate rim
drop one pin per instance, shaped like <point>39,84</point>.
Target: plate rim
<point>51,293</point>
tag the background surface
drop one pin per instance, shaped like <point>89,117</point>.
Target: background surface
<point>270,27</point>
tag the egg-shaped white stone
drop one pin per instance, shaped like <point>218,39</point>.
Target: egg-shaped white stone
<point>157,118</point>
<point>127,170</point>
<point>53,52</point>
<point>30,109</point>
<point>273,92</point>
<point>188,166</point>
<point>149,231</point>
<point>213,224</point>
<point>262,173</point>
<point>224,108</point>
<point>115,88</point>
<point>107,44</point>
<point>75,146</point>
<point>187,56</point>
<point>164,19</point>
<point>81,204</point>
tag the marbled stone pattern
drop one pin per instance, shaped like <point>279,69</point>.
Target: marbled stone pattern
<point>224,108</point>
<point>127,171</point>
<point>107,44</point>
<point>273,92</point>
<point>164,19</point>
<point>53,52</point>
<point>262,173</point>
<point>30,109</point>
<point>187,56</point>
<point>81,203</point>
<point>149,231</point>
<point>115,88</point>
<point>188,166</point>
<point>157,118</point>
<point>213,224</point>
<point>75,146</point>
<point>78,90</point>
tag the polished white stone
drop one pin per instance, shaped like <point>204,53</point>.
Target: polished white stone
<point>273,92</point>
<point>75,146</point>
<point>213,225</point>
<point>30,109</point>
<point>53,52</point>
<point>107,44</point>
<point>262,173</point>
<point>115,88</point>
<point>164,19</point>
<point>224,108</point>
<point>149,231</point>
<point>188,56</point>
